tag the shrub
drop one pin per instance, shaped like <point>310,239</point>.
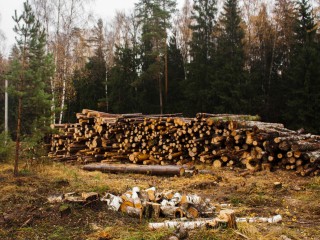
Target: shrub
<point>6,147</point>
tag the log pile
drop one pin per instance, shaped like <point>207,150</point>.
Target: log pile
<point>217,140</point>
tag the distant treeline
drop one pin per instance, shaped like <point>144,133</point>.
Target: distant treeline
<point>248,57</point>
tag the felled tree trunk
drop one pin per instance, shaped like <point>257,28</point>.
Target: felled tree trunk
<point>140,169</point>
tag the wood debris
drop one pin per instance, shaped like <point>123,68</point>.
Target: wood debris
<point>225,219</point>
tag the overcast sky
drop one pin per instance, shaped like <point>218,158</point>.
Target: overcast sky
<point>102,8</point>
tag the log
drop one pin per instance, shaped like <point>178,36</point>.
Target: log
<point>178,224</point>
<point>171,170</point>
<point>313,156</point>
<point>226,117</point>
<point>192,212</point>
<point>172,211</point>
<point>217,164</point>
<point>274,219</point>
<point>152,210</point>
<point>91,196</point>
<point>201,223</point>
<point>170,139</point>
<point>304,145</point>
<point>253,164</point>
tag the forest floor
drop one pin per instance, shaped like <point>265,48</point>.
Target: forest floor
<point>26,214</point>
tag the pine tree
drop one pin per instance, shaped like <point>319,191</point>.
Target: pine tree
<point>202,47</point>
<point>303,79</point>
<point>229,63</point>
<point>29,77</point>
<point>154,16</point>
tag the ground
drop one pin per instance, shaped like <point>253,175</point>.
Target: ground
<point>26,214</point>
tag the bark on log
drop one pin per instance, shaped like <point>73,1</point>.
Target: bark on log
<point>171,170</point>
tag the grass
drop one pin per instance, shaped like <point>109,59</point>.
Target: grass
<point>25,197</point>
<point>136,233</point>
<point>314,184</point>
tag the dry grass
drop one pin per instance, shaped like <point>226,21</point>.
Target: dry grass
<point>24,198</point>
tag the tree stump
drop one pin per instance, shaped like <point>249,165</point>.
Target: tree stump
<point>228,216</point>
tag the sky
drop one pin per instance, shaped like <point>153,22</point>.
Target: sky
<point>101,8</point>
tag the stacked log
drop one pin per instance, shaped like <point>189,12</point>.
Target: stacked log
<point>217,140</point>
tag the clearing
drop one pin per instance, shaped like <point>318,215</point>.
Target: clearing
<point>26,214</point>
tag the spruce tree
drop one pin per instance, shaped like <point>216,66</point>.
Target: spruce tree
<point>229,63</point>
<point>123,82</point>
<point>175,98</point>
<point>303,79</point>
<point>29,76</point>
<point>202,48</point>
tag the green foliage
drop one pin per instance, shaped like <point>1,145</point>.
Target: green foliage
<point>303,78</point>
<point>230,81</point>
<point>123,81</point>
<point>6,148</point>
<point>197,86</point>
<point>101,189</point>
<point>32,145</point>
<point>30,72</point>
<point>154,18</point>
<point>266,65</point>
<point>175,99</point>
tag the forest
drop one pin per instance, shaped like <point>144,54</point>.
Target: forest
<point>241,57</point>
<point>205,110</point>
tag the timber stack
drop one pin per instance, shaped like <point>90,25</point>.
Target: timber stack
<point>171,139</point>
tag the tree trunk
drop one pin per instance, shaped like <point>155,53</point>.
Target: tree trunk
<point>160,95</point>
<point>16,161</point>
<point>6,107</point>
<point>140,169</point>
<point>63,98</point>
<point>53,108</point>
<point>57,39</point>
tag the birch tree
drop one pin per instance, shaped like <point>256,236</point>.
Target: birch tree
<point>184,32</point>
<point>62,18</point>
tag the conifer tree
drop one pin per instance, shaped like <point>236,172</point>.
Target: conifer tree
<point>123,82</point>
<point>230,75</point>
<point>303,79</point>
<point>29,77</point>
<point>175,98</point>
<point>154,17</point>
<point>202,47</point>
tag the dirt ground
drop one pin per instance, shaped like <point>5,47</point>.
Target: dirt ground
<point>26,214</point>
